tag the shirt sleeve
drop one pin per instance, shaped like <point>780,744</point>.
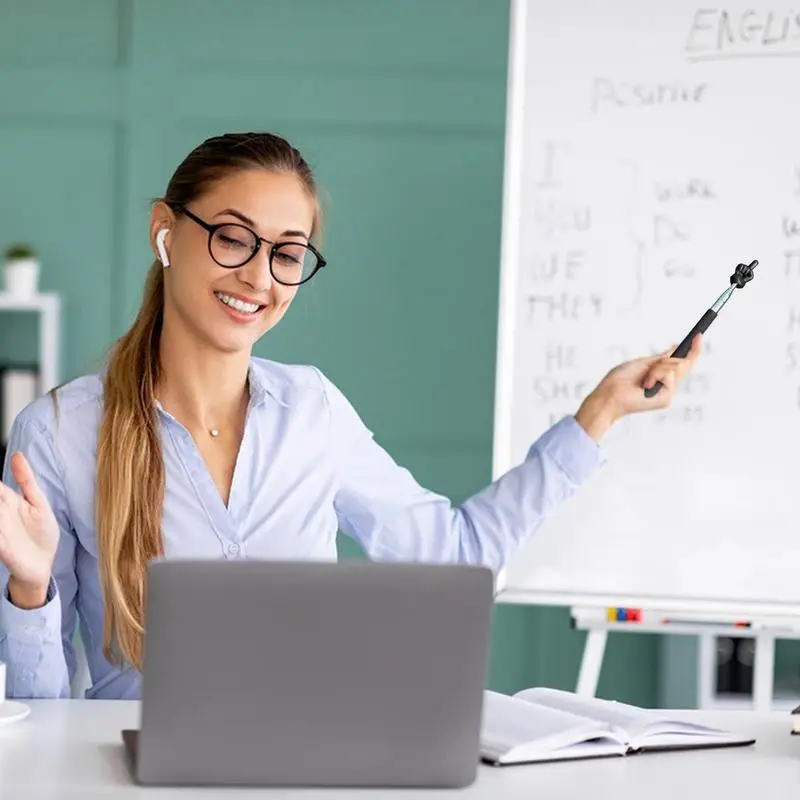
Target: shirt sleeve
<point>35,643</point>
<point>381,506</point>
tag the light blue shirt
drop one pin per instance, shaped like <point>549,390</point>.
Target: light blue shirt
<point>307,467</point>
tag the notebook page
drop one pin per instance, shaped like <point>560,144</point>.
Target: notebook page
<point>666,725</point>
<point>667,731</point>
<point>509,723</point>
<point>621,716</point>
<point>594,748</point>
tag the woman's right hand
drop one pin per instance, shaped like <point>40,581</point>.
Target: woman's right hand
<point>29,536</point>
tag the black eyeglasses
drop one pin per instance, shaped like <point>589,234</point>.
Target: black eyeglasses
<point>232,245</point>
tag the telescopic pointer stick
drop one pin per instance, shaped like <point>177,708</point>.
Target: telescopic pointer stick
<point>741,275</point>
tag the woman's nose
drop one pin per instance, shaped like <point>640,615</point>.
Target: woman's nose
<point>256,272</point>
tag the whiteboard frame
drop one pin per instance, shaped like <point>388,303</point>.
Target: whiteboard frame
<point>509,239</point>
<point>704,605</point>
<point>505,359</point>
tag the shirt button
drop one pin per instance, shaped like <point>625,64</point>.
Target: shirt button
<point>233,549</point>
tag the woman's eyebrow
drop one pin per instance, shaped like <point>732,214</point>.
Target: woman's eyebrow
<point>238,214</point>
<point>247,221</point>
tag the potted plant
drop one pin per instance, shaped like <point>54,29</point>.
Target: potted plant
<point>21,270</point>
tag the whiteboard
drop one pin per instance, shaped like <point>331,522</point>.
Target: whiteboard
<point>650,148</point>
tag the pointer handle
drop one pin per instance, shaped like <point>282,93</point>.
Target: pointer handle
<point>682,350</point>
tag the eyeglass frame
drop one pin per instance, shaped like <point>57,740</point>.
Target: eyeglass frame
<point>212,228</point>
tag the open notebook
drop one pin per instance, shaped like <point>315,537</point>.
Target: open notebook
<point>552,725</point>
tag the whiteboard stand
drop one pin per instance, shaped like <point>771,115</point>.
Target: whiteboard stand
<point>48,307</point>
<point>707,626</point>
<point>763,672</point>
<point>592,661</point>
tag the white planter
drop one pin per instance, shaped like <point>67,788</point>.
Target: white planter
<point>22,277</point>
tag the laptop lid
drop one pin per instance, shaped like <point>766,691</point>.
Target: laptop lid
<point>282,673</point>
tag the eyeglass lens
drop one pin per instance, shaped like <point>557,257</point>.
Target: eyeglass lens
<point>233,245</point>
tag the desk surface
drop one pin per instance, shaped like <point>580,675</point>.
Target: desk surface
<point>71,749</point>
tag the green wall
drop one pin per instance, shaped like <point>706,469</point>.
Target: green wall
<point>399,105</point>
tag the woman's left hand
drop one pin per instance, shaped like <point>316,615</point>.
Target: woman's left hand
<point>621,392</point>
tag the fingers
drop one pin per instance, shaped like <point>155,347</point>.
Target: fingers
<point>23,475</point>
<point>666,376</point>
<point>690,357</point>
<point>650,360</point>
<point>695,349</point>
<point>7,495</point>
<point>685,364</point>
<point>667,353</point>
<point>670,371</point>
<point>9,506</point>
<point>679,366</point>
<point>665,371</point>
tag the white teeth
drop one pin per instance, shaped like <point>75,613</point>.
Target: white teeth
<point>239,305</point>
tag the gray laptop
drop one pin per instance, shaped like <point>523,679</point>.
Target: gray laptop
<point>267,673</point>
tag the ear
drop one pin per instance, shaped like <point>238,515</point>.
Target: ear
<point>162,221</point>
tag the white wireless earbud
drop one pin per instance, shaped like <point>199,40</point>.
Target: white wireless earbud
<point>162,251</point>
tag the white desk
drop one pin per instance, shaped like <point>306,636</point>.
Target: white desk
<point>70,750</point>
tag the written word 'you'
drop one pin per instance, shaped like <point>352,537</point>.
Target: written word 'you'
<point>552,216</point>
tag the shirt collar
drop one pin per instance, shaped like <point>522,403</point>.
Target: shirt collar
<point>264,386</point>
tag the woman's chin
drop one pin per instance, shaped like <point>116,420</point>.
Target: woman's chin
<point>236,340</point>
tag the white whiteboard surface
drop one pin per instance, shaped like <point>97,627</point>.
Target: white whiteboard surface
<point>652,146</point>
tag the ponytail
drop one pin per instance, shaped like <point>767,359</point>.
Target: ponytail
<point>130,477</point>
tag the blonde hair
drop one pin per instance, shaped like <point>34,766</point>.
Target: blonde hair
<point>130,465</point>
<point>130,475</point>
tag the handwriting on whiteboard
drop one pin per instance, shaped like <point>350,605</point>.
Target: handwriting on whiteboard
<point>567,300</point>
<point>608,94</point>
<point>719,33</point>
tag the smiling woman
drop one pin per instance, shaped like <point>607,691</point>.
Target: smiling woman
<point>242,246</point>
<point>187,445</point>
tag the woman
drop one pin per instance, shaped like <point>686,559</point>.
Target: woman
<point>187,446</point>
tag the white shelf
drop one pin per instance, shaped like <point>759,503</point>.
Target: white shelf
<point>765,693</point>
<point>38,302</point>
<point>48,306</point>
